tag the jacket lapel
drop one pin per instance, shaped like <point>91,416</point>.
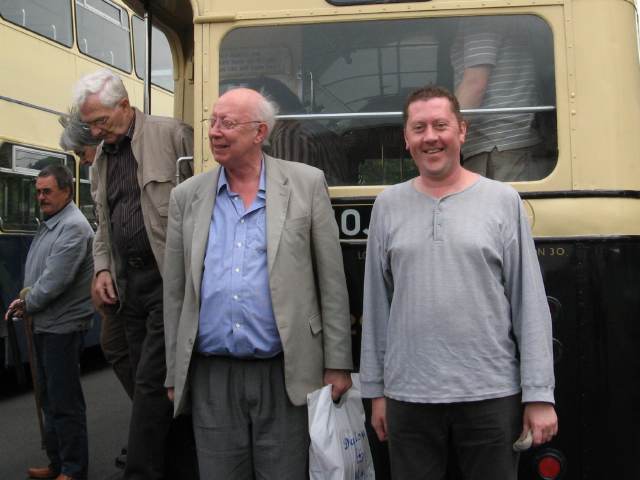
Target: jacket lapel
<point>203,202</point>
<point>278,192</point>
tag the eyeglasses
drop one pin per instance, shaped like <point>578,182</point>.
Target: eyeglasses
<point>227,123</point>
<point>98,122</point>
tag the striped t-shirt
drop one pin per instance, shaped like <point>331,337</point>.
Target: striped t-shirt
<point>502,44</point>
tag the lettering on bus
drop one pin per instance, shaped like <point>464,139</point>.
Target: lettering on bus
<point>551,251</point>
<point>353,221</point>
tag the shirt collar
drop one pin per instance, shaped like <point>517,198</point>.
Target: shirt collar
<point>224,184</point>
<point>113,148</point>
<point>52,221</point>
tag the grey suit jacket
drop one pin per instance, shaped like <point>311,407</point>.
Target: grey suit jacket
<point>306,276</point>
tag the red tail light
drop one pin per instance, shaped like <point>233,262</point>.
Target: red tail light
<point>550,465</point>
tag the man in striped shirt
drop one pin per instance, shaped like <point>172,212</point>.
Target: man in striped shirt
<point>494,68</point>
<point>132,178</point>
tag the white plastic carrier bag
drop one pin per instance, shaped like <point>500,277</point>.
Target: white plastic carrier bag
<point>339,447</point>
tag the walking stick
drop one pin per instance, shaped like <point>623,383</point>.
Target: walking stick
<point>28,330</point>
<point>15,352</point>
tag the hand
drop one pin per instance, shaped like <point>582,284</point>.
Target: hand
<point>340,380</point>
<point>379,417</point>
<point>16,309</point>
<point>103,288</point>
<point>171,393</point>
<point>541,419</point>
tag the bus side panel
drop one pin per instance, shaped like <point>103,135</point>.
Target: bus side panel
<point>14,250</point>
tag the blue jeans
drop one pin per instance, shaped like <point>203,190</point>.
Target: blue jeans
<point>63,402</point>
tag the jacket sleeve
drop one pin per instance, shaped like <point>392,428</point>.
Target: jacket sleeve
<point>331,283</point>
<point>101,253</point>
<point>173,285</point>
<point>378,291</point>
<point>66,256</point>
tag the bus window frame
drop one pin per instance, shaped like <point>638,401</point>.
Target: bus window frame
<point>32,172</point>
<point>83,4</point>
<point>135,63</point>
<point>71,23</point>
<point>351,3</point>
<point>553,108</point>
<point>69,161</point>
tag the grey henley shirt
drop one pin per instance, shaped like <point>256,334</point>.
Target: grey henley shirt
<point>454,304</point>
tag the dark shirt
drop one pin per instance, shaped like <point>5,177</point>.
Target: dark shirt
<point>123,196</point>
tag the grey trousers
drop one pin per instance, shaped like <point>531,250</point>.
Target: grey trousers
<point>113,340</point>
<point>244,423</point>
<point>519,164</point>
<point>478,436</point>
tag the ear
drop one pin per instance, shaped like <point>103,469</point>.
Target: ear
<point>262,133</point>
<point>463,131</point>
<point>406,142</point>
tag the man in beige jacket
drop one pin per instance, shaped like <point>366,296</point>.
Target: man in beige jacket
<point>256,308</point>
<point>132,177</point>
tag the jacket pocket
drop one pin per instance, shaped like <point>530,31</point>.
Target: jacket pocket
<point>315,322</point>
<point>159,193</point>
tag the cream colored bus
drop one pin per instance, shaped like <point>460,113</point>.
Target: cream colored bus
<point>569,97</point>
<point>45,46</point>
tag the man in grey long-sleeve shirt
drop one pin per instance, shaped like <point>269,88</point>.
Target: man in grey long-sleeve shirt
<point>456,331</point>
<point>57,296</point>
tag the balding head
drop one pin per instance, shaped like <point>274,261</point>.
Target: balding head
<point>241,120</point>
<point>261,107</point>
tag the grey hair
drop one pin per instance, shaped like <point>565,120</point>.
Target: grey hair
<point>105,83</point>
<point>266,110</point>
<point>63,176</point>
<point>76,134</point>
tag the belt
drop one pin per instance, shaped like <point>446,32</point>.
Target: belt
<point>140,262</point>
<point>210,356</point>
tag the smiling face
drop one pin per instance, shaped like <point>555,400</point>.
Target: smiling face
<point>50,197</point>
<point>106,123</point>
<point>235,131</point>
<point>433,135</point>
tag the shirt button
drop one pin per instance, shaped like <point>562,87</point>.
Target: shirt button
<point>237,270</point>
<point>235,297</point>
<point>242,220</point>
<point>237,325</point>
<point>239,244</point>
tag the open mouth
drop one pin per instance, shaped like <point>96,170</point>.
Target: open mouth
<point>431,151</point>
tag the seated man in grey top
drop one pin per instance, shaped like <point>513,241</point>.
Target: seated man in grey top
<point>57,297</point>
<point>456,348</point>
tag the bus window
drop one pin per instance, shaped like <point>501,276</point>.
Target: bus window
<point>161,59</point>
<point>103,32</point>
<point>19,167</point>
<point>52,18</point>
<point>31,161</point>
<point>342,86</point>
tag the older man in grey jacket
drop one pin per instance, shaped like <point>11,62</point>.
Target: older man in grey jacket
<point>132,176</point>
<point>57,296</point>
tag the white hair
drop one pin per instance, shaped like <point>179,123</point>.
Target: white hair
<point>266,110</point>
<point>103,82</point>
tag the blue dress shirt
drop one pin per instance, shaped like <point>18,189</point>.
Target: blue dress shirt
<point>236,315</point>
